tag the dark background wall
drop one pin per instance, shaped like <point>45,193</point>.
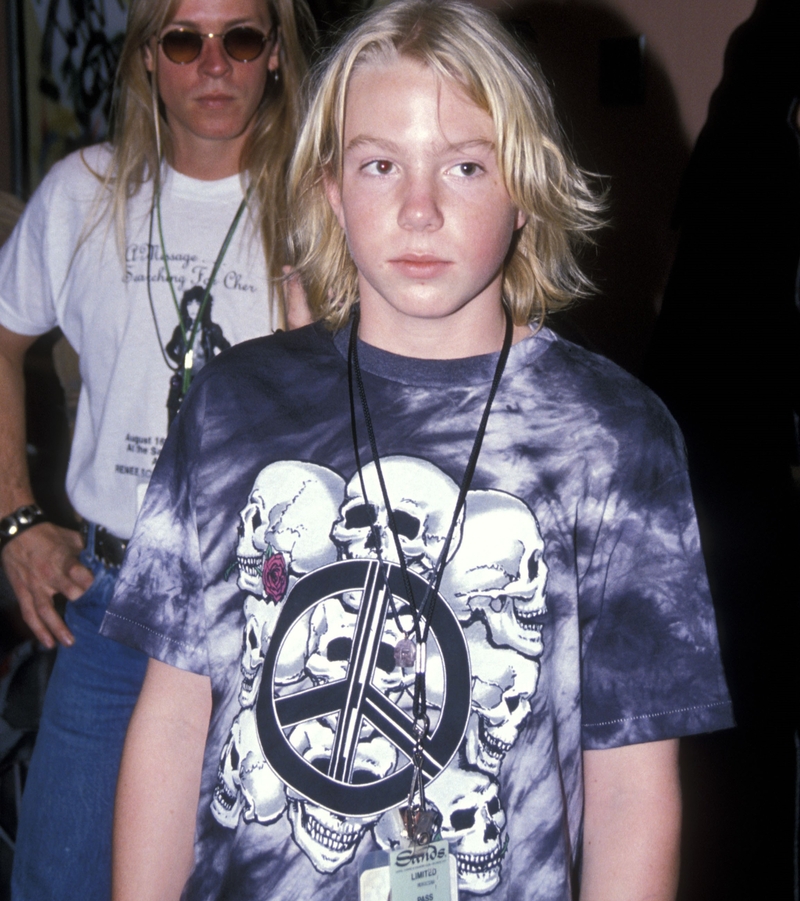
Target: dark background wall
<point>5,108</point>
<point>686,36</point>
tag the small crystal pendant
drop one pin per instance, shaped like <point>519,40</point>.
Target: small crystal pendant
<point>405,652</point>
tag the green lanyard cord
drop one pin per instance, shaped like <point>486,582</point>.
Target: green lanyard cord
<point>188,340</point>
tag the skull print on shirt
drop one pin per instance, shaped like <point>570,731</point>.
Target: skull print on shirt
<point>319,685</point>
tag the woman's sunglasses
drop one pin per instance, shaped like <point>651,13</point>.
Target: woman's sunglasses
<point>242,43</point>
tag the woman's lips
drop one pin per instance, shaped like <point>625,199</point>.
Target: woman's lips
<point>212,101</point>
<point>423,266</point>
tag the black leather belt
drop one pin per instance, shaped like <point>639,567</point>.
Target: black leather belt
<point>107,548</point>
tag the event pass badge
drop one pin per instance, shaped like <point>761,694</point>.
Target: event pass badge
<point>417,873</point>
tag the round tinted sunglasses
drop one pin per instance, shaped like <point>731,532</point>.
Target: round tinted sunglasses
<point>242,43</point>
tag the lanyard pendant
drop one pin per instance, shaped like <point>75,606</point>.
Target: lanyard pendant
<point>422,826</point>
<point>405,652</point>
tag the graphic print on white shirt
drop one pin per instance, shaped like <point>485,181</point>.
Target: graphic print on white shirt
<point>119,314</point>
<point>195,341</point>
<point>320,688</point>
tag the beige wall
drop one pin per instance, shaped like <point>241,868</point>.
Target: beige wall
<point>688,38</point>
<point>641,148</point>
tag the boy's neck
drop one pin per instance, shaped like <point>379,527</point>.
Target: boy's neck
<point>452,338</point>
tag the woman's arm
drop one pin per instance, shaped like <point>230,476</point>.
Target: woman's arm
<point>632,823</point>
<point>42,561</point>
<point>159,786</point>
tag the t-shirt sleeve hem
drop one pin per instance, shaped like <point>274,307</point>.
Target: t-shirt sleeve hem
<point>153,643</point>
<point>20,326</point>
<point>658,726</point>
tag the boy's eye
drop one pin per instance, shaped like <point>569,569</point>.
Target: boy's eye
<point>466,170</point>
<point>380,167</point>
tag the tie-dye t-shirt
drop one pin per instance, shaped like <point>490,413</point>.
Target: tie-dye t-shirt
<point>573,612</point>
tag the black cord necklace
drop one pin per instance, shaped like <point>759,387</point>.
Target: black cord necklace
<point>406,652</point>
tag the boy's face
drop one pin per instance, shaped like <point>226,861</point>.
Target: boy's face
<point>427,216</point>
<point>211,102</point>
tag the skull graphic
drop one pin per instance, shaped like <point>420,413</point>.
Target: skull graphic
<point>473,821</point>
<point>227,801</point>
<point>503,683</point>
<point>498,573</point>
<point>260,621</point>
<point>390,831</point>
<point>328,839</point>
<point>423,500</point>
<point>330,644</point>
<point>245,783</point>
<point>289,512</point>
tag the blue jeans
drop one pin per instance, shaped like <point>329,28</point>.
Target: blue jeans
<point>63,848</point>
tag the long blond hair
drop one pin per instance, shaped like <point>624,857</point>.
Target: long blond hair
<point>141,132</point>
<point>468,46</point>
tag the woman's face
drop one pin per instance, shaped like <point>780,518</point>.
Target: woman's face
<point>212,101</point>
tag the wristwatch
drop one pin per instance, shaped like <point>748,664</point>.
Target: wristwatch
<point>17,522</point>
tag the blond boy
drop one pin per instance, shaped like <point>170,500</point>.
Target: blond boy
<point>315,522</point>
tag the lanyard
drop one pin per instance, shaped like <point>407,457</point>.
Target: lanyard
<point>188,339</point>
<point>419,821</point>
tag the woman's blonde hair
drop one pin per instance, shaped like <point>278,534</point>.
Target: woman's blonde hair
<point>141,132</point>
<point>470,47</point>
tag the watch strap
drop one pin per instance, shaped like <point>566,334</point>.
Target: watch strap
<point>20,520</point>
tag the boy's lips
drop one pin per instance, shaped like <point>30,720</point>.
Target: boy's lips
<point>420,265</point>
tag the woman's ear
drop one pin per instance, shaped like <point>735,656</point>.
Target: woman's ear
<point>147,54</point>
<point>274,62</point>
<point>521,220</point>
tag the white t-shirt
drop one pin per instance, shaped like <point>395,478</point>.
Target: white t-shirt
<point>49,276</point>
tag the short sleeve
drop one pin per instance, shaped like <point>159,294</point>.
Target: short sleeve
<point>158,605</point>
<point>651,667</point>
<point>26,295</point>
<point>37,259</point>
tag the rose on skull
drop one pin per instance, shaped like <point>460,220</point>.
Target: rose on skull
<point>274,576</point>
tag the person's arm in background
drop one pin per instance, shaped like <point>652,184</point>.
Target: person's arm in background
<point>43,560</point>
<point>632,823</point>
<point>159,786</point>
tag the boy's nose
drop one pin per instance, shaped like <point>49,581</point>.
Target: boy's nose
<point>420,209</point>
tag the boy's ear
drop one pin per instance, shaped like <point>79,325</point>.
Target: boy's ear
<point>333,192</point>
